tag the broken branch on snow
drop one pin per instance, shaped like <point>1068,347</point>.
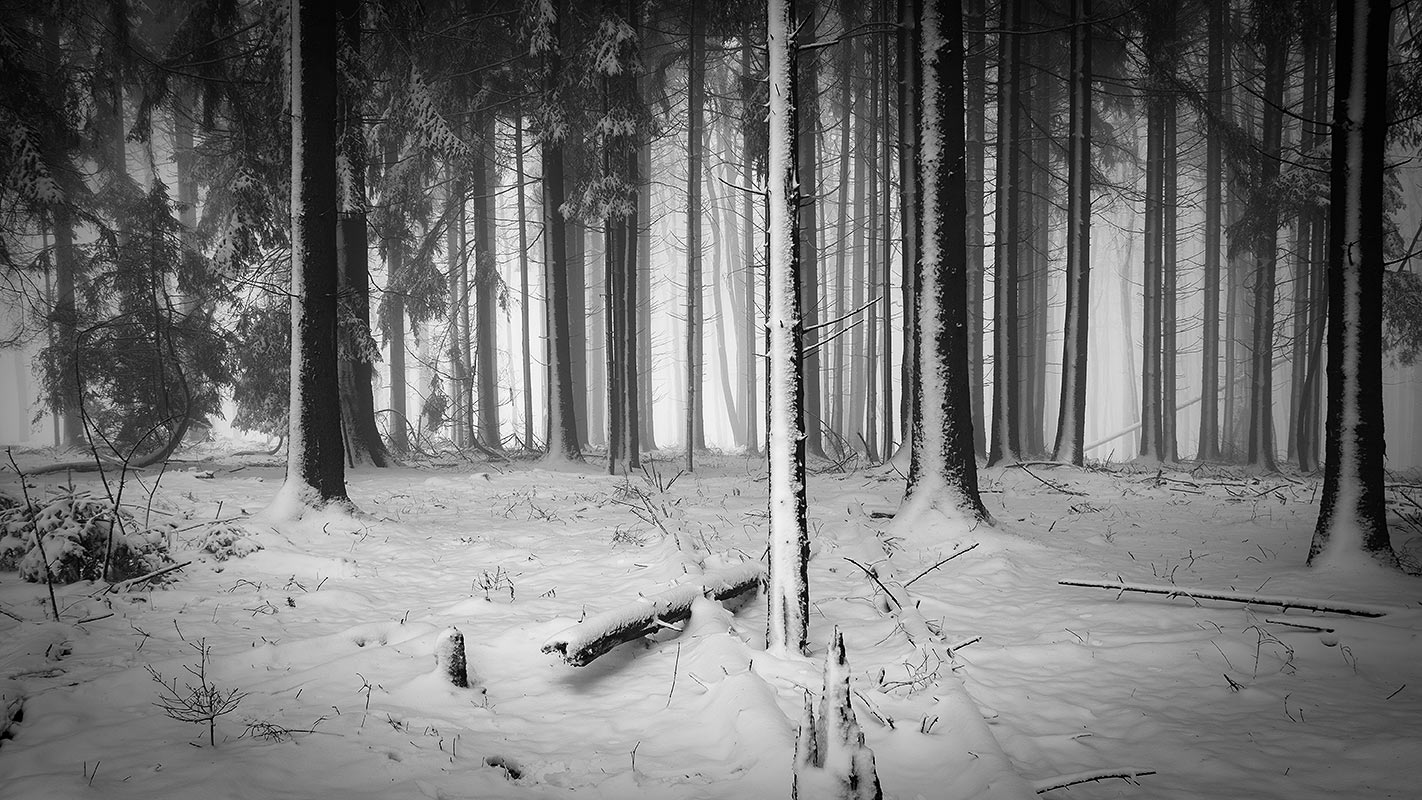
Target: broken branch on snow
<point>1326,606</point>
<point>598,634</point>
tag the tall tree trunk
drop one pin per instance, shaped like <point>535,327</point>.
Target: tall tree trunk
<point>1071,414</point>
<point>520,177</point>
<point>315,472</point>
<point>787,590</point>
<point>1352,515</point>
<point>696,97</point>
<point>807,164</point>
<point>646,430</point>
<point>866,159</point>
<point>65,397</point>
<point>357,346</point>
<point>1007,390</point>
<point>750,369</point>
<point>1315,221</point>
<point>1261,376</point>
<point>907,52</point>
<point>577,248</point>
<point>720,282</point>
<point>1209,438</point>
<point>1152,438</point>
<point>1169,209</point>
<point>563,441</point>
<point>975,89</point>
<point>943,471</point>
<point>486,288</point>
<point>395,310</point>
<point>847,126</point>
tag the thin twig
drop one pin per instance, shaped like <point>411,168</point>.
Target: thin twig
<point>874,578</point>
<point>941,563</point>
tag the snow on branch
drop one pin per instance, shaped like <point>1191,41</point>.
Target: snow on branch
<point>598,634</point>
<point>1326,606</point>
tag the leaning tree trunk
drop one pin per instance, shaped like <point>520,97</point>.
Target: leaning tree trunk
<point>1352,516</point>
<point>315,472</point>
<point>787,590</point>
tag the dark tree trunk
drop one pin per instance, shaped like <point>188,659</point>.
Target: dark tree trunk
<point>1169,270</point>
<point>1007,390</point>
<point>1209,439</point>
<point>1261,377</point>
<point>315,465</point>
<point>563,441</point>
<point>975,88</point>
<point>943,468</point>
<point>1152,439</point>
<point>1353,513</point>
<point>576,236</point>
<point>696,97</point>
<point>907,50</point>
<point>357,347</point>
<point>486,287</point>
<point>524,328</point>
<point>1071,417</point>
<point>807,163</point>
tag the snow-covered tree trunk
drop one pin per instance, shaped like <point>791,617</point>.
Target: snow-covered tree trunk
<point>315,472</point>
<point>1005,444</point>
<point>788,595</point>
<point>907,46</point>
<point>1071,418</point>
<point>1352,516</point>
<point>943,471</point>
<point>563,441</point>
<point>356,345</point>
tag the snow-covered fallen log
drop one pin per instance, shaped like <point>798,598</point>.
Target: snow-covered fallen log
<point>580,644</point>
<point>1326,606</point>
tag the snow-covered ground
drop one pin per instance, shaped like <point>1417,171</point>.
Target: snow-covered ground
<point>330,631</point>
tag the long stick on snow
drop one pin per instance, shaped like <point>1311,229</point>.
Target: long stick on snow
<point>1286,603</point>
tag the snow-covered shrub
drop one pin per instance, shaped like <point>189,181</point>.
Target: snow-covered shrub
<point>76,530</point>
<point>228,541</point>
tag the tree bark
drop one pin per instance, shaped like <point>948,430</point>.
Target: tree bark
<point>696,97</point>
<point>788,598</point>
<point>1071,415</point>
<point>486,286</point>
<point>1006,443</point>
<point>1209,438</point>
<point>315,466</point>
<point>807,165</point>
<point>1352,515</point>
<point>1261,377</point>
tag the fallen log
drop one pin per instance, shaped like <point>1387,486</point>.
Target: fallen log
<point>1325,606</point>
<point>580,644</point>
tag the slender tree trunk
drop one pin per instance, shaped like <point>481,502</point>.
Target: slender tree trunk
<point>646,430</point>
<point>750,373</point>
<point>1261,396</point>
<point>563,441</point>
<point>357,369</point>
<point>1071,415</point>
<point>1209,439</point>
<point>696,93</point>
<point>907,51</point>
<point>486,287</point>
<point>1007,390</point>
<point>395,310</point>
<point>1169,208</point>
<point>1152,438</point>
<point>807,164</point>
<point>787,590</point>
<point>867,152</point>
<point>886,242</point>
<point>524,326</point>
<point>577,248</point>
<point>1353,513</point>
<point>720,281</point>
<point>848,54</point>
<point>315,473</point>
<point>975,61</point>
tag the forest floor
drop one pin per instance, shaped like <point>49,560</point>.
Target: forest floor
<point>329,631</point>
